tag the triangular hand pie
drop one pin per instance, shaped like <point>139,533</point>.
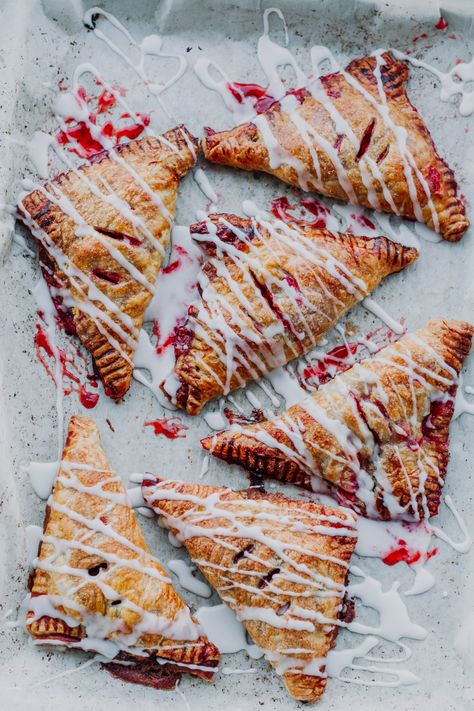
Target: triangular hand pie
<point>103,230</point>
<point>377,434</point>
<point>355,136</point>
<point>268,293</point>
<point>280,564</point>
<point>96,585</point>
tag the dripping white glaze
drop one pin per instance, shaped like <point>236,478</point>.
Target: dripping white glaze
<point>187,579</point>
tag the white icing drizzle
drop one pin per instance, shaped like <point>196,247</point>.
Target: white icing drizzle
<point>223,629</point>
<point>245,350</point>
<point>187,579</point>
<point>453,83</point>
<point>104,634</point>
<point>366,487</point>
<point>42,477</point>
<point>375,308</point>
<point>252,522</point>
<point>273,56</point>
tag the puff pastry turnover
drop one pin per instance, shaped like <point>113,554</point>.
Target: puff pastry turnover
<point>377,433</point>
<point>103,230</point>
<point>352,135</point>
<point>96,585</point>
<point>280,564</point>
<point>268,292</point>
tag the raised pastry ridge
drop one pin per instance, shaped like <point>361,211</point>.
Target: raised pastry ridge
<point>351,135</point>
<point>279,563</point>
<point>268,292</point>
<point>96,585</point>
<point>103,230</point>
<point>377,433</point>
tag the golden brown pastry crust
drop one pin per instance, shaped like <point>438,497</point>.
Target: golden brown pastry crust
<point>387,416</point>
<point>278,298</point>
<point>244,147</point>
<point>249,573</point>
<point>86,531</point>
<point>160,164</point>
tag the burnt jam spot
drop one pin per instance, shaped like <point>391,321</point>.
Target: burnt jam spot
<point>347,611</point>
<point>365,140</point>
<point>106,275</point>
<point>256,480</point>
<point>95,570</point>
<point>116,602</point>
<point>266,579</point>
<point>93,21</point>
<point>249,548</point>
<point>121,236</point>
<point>283,608</point>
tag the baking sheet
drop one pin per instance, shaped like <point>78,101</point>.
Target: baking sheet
<point>43,43</point>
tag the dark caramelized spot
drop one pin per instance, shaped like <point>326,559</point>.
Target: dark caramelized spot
<point>95,570</point>
<point>116,602</point>
<point>266,579</point>
<point>241,554</point>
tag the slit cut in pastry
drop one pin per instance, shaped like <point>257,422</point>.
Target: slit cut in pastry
<point>103,230</point>
<point>96,585</point>
<point>351,135</point>
<point>268,293</point>
<point>280,564</point>
<point>377,433</point>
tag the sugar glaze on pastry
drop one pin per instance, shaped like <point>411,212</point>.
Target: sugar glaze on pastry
<point>352,134</point>
<point>103,229</point>
<point>96,585</point>
<point>377,433</point>
<point>268,292</point>
<point>280,564</point>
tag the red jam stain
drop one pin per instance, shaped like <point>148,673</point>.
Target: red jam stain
<point>434,180</point>
<point>72,365</point>
<point>365,140</point>
<point>335,361</point>
<point>88,399</point>
<point>171,427</point>
<point>441,24</point>
<point>78,138</point>
<point>261,101</point>
<point>283,210</point>
<point>363,221</point>
<point>401,553</point>
<point>418,37</point>
<point>106,275</point>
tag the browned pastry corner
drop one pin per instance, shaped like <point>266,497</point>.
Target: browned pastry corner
<point>90,238</point>
<point>96,585</point>
<point>369,166</point>
<point>377,433</point>
<point>279,563</point>
<point>270,293</point>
